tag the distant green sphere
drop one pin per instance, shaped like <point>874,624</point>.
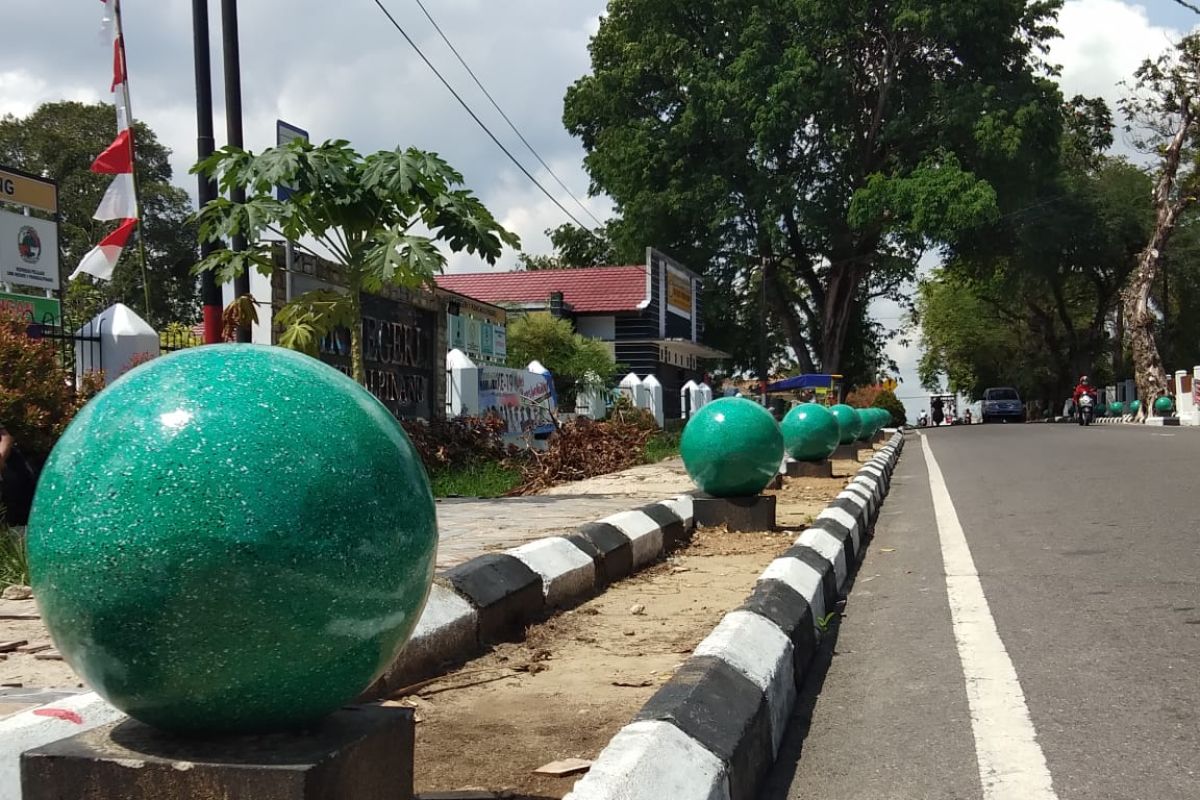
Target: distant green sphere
<point>869,424</point>
<point>810,432</point>
<point>1164,405</point>
<point>849,422</point>
<point>1135,406</point>
<point>732,447</point>
<point>232,539</point>
<point>1116,409</point>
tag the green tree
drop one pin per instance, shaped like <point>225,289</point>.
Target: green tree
<point>60,141</point>
<point>575,361</point>
<point>1163,107</point>
<point>826,143</point>
<point>575,247</point>
<point>368,212</point>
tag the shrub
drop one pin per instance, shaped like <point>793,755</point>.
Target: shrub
<point>887,400</point>
<point>37,396</point>
<point>572,359</point>
<point>583,448</point>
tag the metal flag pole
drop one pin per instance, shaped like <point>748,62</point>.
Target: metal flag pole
<point>209,291</point>
<point>233,128</point>
<point>137,193</point>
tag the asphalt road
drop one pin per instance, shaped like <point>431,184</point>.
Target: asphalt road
<point>1073,675</point>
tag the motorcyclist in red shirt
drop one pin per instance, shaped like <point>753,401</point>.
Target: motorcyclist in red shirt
<point>1084,387</point>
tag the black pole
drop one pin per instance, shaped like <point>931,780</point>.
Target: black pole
<point>233,127</point>
<point>210,293</point>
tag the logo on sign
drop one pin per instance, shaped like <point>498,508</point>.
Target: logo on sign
<point>29,245</point>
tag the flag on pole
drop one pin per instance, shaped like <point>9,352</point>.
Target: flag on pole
<point>120,200</point>
<point>118,158</point>
<point>101,259</point>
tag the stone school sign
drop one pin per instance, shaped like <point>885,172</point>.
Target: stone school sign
<point>399,355</point>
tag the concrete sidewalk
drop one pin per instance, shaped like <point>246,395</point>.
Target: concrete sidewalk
<point>469,527</point>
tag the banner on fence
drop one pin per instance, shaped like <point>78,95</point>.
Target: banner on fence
<point>523,399</point>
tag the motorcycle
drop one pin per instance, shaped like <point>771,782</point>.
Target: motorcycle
<point>923,421</point>
<point>1087,410</point>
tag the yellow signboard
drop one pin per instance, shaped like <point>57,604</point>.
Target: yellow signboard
<point>679,294</point>
<point>28,191</point>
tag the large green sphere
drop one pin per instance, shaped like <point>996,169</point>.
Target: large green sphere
<point>849,422</point>
<point>1135,406</point>
<point>732,447</point>
<point>232,538</point>
<point>810,432</point>
<point>1164,405</point>
<point>1116,409</point>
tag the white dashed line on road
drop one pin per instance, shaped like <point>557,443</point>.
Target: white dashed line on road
<point>1012,765</point>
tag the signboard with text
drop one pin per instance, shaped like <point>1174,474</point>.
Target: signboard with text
<point>679,294</point>
<point>523,399</point>
<point>399,355</point>
<point>27,190</point>
<point>28,251</point>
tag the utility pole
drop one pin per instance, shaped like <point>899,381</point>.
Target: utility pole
<point>210,293</point>
<point>233,127</point>
<point>764,359</point>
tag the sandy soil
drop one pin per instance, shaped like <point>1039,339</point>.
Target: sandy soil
<point>578,678</point>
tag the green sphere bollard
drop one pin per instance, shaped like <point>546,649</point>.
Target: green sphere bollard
<point>869,424</point>
<point>232,539</point>
<point>1135,406</point>
<point>1163,406</point>
<point>1116,409</point>
<point>810,432</point>
<point>732,447</point>
<point>849,423</point>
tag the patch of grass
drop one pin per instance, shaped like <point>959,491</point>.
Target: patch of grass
<point>480,479</point>
<point>14,558</point>
<point>662,446</point>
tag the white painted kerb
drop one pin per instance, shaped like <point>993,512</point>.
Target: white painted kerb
<point>653,760</point>
<point>568,574</point>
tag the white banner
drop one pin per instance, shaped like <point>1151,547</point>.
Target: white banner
<point>28,251</point>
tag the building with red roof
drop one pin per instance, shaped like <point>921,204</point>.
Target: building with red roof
<point>650,312</point>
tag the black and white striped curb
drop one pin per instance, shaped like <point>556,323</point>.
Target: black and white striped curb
<point>712,732</point>
<point>494,597</point>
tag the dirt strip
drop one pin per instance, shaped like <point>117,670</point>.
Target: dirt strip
<point>578,678</point>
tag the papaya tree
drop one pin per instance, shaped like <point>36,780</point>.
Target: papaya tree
<point>380,217</point>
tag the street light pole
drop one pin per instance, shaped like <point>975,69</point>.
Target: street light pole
<point>233,127</point>
<point>210,293</point>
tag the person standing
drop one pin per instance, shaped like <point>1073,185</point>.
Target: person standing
<point>16,480</point>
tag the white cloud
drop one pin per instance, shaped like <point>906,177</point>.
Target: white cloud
<point>339,70</point>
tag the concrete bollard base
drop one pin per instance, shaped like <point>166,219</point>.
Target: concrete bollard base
<point>360,751</point>
<point>810,469</point>
<point>738,514</point>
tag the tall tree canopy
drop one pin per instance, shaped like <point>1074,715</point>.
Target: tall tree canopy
<point>823,145</point>
<point>60,141</point>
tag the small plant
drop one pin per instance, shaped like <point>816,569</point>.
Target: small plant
<point>661,447</point>
<point>824,622</point>
<point>485,479</point>
<point>14,558</point>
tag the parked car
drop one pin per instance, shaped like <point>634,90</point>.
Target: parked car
<point>1002,404</point>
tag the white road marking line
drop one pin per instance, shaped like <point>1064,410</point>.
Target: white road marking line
<point>1012,765</point>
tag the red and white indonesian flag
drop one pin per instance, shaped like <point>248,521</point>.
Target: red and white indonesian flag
<point>102,259</point>
<point>120,200</point>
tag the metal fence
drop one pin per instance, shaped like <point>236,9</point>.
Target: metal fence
<point>77,346</point>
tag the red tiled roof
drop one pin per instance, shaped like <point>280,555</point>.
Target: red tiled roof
<point>586,290</point>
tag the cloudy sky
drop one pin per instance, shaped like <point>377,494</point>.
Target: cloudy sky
<point>340,70</point>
